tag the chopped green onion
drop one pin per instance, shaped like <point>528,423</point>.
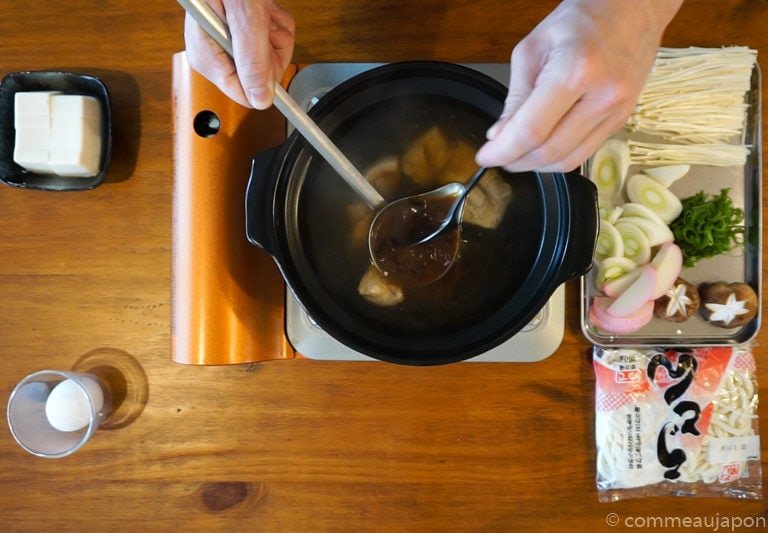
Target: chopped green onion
<point>707,226</point>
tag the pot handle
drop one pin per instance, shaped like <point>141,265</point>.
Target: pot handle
<point>259,201</point>
<point>584,224</point>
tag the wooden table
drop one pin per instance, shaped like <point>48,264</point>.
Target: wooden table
<point>292,445</point>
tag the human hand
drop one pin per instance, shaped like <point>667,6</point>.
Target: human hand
<point>262,41</point>
<point>575,79</point>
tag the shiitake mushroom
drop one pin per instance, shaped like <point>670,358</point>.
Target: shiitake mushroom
<point>679,303</point>
<point>728,305</point>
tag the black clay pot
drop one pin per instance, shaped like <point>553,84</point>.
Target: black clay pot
<point>302,213</point>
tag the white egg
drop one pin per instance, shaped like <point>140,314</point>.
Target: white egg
<point>68,408</point>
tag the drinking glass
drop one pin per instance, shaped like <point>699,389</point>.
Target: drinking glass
<point>53,413</point>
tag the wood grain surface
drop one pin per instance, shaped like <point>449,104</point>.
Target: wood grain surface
<point>289,445</point>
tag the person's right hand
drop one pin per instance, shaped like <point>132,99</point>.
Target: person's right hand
<point>262,41</point>
<point>575,79</point>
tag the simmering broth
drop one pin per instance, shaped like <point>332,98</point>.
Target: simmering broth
<point>492,264</point>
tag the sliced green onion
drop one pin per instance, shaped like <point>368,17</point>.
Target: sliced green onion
<point>609,242</point>
<point>636,245</point>
<point>709,225</point>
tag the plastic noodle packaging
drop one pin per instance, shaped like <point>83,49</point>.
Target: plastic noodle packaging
<point>676,422</point>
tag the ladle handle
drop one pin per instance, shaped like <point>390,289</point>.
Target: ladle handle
<point>474,179</point>
<point>458,207</point>
<point>217,29</point>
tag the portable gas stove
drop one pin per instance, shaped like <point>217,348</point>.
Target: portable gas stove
<point>229,302</point>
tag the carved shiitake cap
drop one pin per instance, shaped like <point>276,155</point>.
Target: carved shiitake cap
<point>728,305</point>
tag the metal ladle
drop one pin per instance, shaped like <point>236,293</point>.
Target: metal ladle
<point>414,240</point>
<point>218,30</point>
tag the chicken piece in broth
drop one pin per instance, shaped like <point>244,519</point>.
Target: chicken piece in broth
<point>426,156</point>
<point>459,166</point>
<point>360,218</point>
<point>488,201</point>
<point>375,288</point>
<point>432,160</point>
<point>385,177</point>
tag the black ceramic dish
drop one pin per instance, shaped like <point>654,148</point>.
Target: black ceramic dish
<point>549,228</point>
<point>65,82</point>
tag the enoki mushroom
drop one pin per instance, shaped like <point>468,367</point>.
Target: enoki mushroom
<point>694,101</point>
<point>658,154</point>
<point>696,95</point>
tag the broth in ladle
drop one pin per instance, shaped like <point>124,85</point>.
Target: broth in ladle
<point>393,242</point>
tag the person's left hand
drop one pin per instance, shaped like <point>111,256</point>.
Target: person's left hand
<point>262,41</point>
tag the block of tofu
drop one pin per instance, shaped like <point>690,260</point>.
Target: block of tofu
<point>74,105</point>
<point>75,148</point>
<point>32,159</point>
<point>33,138</point>
<point>58,133</point>
<point>31,149</point>
<point>75,135</point>
<point>32,121</point>
<point>32,109</point>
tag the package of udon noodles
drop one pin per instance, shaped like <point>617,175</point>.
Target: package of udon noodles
<point>679,421</point>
